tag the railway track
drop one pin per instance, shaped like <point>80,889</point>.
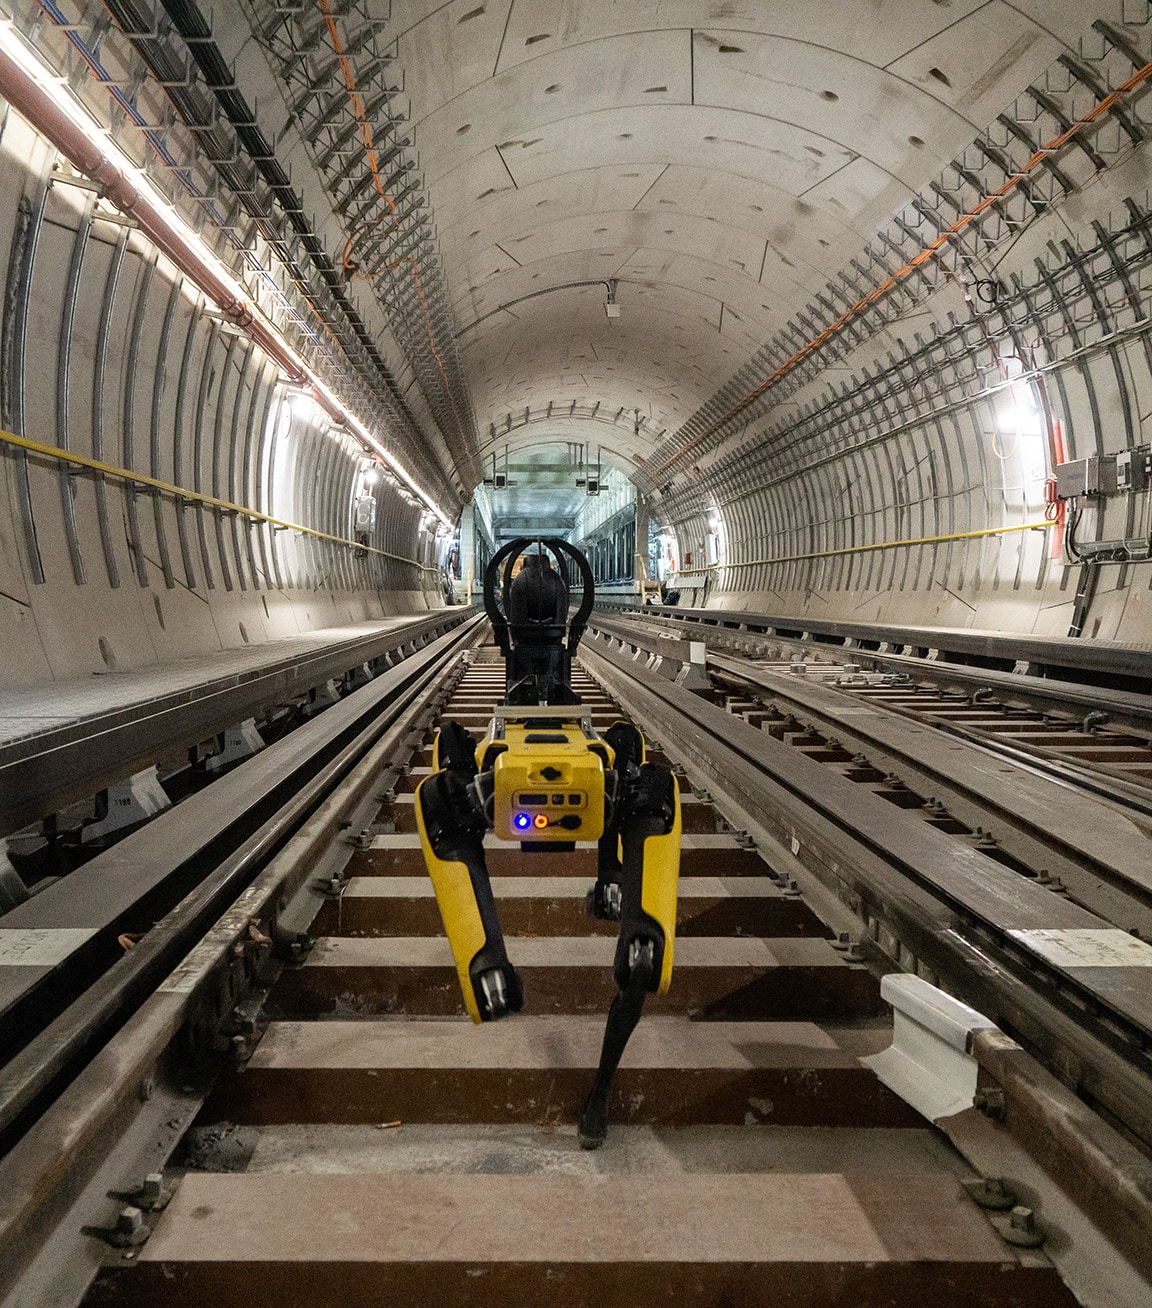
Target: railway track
<point>972,770</point>
<point>1083,717</point>
<point>335,1130</point>
<point>818,793</point>
<point>378,1148</point>
<point>1065,740</point>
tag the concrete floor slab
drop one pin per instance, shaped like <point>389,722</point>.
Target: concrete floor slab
<point>542,1042</point>
<point>790,1217</point>
<point>37,709</point>
<point>573,952</point>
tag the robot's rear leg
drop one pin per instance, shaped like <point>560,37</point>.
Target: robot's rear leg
<point>604,899</point>
<point>623,1016</point>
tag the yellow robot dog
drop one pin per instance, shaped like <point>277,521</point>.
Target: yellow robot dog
<point>543,777</point>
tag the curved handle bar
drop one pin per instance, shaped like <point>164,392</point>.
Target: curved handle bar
<point>507,555</point>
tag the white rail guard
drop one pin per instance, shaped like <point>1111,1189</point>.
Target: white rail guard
<point>928,1063</point>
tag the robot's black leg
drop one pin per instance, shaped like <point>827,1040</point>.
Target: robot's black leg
<point>603,900</point>
<point>623,1016</point>
<point>456,750</point>
<point>496,984</point>
<point>640,947</point>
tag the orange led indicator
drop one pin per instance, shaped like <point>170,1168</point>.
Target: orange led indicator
<point>540,820</point>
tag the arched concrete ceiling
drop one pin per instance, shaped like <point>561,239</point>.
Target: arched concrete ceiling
<point>719,159</point>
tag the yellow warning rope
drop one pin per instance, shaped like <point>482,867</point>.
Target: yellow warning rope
<point>864,549</point>
<point>194,497</point>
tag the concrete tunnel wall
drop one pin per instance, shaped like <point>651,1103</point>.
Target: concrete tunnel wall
<point>912,436</point>
<point>108,351</point>
<point>909,428</point>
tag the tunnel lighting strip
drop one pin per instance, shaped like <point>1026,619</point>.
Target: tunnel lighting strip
<point>865,549</point>
<point>53,110</point>
<point>193,497</point>
<point>1013,180</point>
<point>155,139</point>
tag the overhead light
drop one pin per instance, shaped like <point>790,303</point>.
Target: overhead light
<point>304,408</point>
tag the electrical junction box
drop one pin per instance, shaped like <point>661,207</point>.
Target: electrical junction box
<point>1134,468</point>
<point>1092,476</point>
<point>500,480</point>
<point>364,519</point>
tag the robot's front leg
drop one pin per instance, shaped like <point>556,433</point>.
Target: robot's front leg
<point>451,826</point>
<point>650,837</point>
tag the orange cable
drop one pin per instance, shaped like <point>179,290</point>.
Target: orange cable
<point>357,103</point>
<point>366,137</point>
<point>1138,78</point>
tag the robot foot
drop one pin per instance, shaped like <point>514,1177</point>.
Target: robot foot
<point>499,992</point>
<point>593,1128</point>
<point>604,901</point>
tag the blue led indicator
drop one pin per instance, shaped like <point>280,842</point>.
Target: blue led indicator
<point>523,821</point>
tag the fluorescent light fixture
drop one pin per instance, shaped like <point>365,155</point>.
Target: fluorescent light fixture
<point>284,419</point>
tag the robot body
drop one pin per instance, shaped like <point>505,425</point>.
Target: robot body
<point>543,777</point>
<point>548,776</point>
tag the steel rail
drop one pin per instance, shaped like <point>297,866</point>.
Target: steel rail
<point>1111,882</point>
<point>1124,709</point>
<point>1101,876</point>
<point>236,832</point>
<point>52,1179</point>
<point>1097,778</point>
<point>42,773</point>
<point>1018,690</point>
<point>747,636</point>
<point>939,902</point>
<point>1127,710</point>
<point>1050,653</point>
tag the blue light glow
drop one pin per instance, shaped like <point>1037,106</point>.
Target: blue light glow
<point>523,821</point>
